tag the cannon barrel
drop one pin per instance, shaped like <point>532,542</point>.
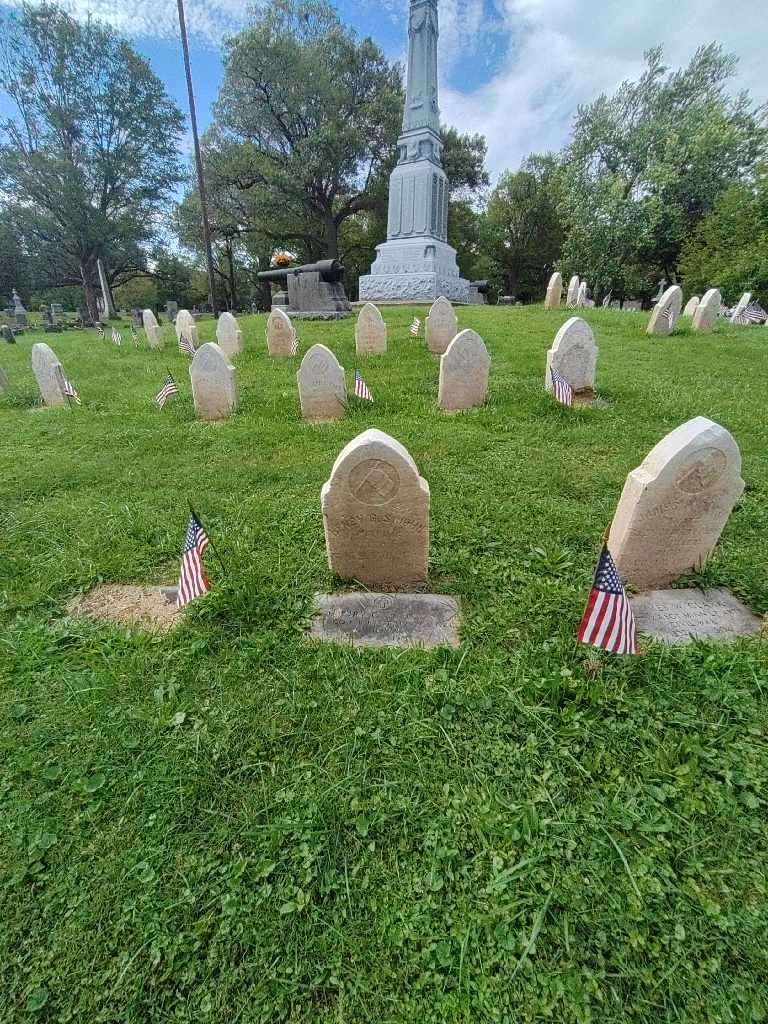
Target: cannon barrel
<point>482,286</point>
<point>330,271</point>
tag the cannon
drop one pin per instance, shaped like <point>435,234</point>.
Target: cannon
<point>315,291</point>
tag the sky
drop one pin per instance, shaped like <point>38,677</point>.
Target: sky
<point>514,70</point>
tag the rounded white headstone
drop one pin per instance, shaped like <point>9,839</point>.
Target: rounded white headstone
<point>322,386</point>
<point>464,368</point>
<point>213,383</point>
<point>573,355</point>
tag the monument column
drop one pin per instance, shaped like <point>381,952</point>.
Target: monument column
<point>416,263</point>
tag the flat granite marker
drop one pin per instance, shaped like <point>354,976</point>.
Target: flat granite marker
<point>464,368</point>
<point>740,306</point>
<point>49,374</point>
<point>370,332</point>
<point>281,334</point>
<point>573,291</point>
<point>213,383</point>
<point>185,325</point>
<point>442,326</point>
<point>574,356</point>
<point>707,311</point>
<point>322,385</point>
<point>152,329</point>
<point>671,302</point>
<point>682,616</point>
<point>691,305</point>
<point>554,292</point>
<point>229,336</point>
<point>674,506</point>
<point>387,620</point>
<point>376,514</point>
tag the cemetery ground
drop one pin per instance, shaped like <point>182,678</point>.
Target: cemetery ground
<point>228,822</point>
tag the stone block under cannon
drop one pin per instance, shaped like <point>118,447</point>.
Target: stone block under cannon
<point>315,291</point>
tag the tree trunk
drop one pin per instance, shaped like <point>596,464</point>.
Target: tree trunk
<point>331,239</point>
<point>231,277</point>
<point>90,292</point>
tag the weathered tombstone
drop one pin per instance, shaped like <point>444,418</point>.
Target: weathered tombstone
<point>674,506</point>
<point>136,317</point>
<point>370,332</point>
<point>740,306</point>
<point>185,324</point>
<point>632,305</point>
<point>48,374</point>
<point>707,311</point>
<point>19,313</point>
<point>442,325</point>
<point>573,290</point>
<point>554,292</point>
<point>581,295</point>
<point>229,336</point>
<point>213,383</point>
<point>374,619</point>
<point>152,329</point>
<point>666,312</point>
<point>322,386</point>
<point>464,368</point>
<point>7,335</point>
<point>692,305</point>
<point>281,334</point>
<point>5,384</point>
<point>376,514</point>
<point>574,356</point>
<point>57,312</point>
<point>171,310</point>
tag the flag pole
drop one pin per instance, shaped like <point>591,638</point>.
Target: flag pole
<point>210,539</point>
<point>198,160</point>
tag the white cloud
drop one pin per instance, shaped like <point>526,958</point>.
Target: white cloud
<point>560,53</point>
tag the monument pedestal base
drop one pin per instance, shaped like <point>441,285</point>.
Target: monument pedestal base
<point>417,269</point>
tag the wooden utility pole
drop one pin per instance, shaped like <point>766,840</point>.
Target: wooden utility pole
<point>198,161</point>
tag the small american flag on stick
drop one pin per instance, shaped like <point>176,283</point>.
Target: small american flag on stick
<point>170,387</point>
<point>416,327</point>
<point>751,314</point>
<point>668,314</point>
<point>185,345</point>
<point>608,621</point>
<point>294,345</point>
<point>70,390</point>
<point>562,389</point>
<point>361,388</point>
<point>117,338</point>
<point>192,579</point>
<point>100,331</point>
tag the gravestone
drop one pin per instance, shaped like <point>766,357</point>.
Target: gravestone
<point>185,324</point>
<point>229,336</point>
<point>674,506</point>
<point>691,305</point>
<point>136,317</point>
<point>554,292</point>
<point>581,295</point>
<point>707,311</point>
<point>740,306</point>
<point>171,310</point>
<point>7,335</point>
<point>152,329</point>
<point>376,514</point>
<point>442,326</point>
<point>370,332</point>
<point>574,356</point>
<point>632,305</point>
<point>573,290</point>
<point>387,620</point>
<point>48,374</point>
<point>19,313</point>
<point>281,334</point>
<point>670,302</point>
<point>682,616</point>
<point>464,368</point>
<point>322,387</point>
<point>5,384</point>
<point>213,383</point>
<point>57,312</point>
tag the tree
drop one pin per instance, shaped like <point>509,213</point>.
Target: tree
<point>729,250</point>
<point>520,229</point>
<point>646,164</point>
<point>89,154</point>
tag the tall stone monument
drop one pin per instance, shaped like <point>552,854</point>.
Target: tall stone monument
<point>416,264</point>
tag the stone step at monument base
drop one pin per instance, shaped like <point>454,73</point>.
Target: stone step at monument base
<point>407,289</point>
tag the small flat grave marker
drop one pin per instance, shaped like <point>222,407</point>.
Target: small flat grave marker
<point>387,620</point>
<point>682,616</point>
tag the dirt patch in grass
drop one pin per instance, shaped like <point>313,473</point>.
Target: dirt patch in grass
<point>128,605</point>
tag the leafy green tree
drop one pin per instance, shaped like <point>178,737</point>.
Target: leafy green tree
<point>729,250</point>
<point>520,229</point>
<point>646,164</point>
<point>89,150</point>
<point>15,270</point>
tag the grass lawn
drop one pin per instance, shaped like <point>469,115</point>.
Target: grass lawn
<point>231,824</point>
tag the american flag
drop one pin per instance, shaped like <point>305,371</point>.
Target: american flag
<point>185,345</point>
<point>192,579</point>
<point>608,621</point>
<point>70,390</point>
<point>294,345</point>
<point>416,327</point>
<point>117,337</point>
<point>100,331</point>
<point>170,387</point>
<point>361,388</point>
<point>563,390</point>
<point>668,314</point>
<point>751,314</point>
<point>134,336</point>
<point>572,303</point>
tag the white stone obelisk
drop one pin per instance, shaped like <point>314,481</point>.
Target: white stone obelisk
<point>416,263</point>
